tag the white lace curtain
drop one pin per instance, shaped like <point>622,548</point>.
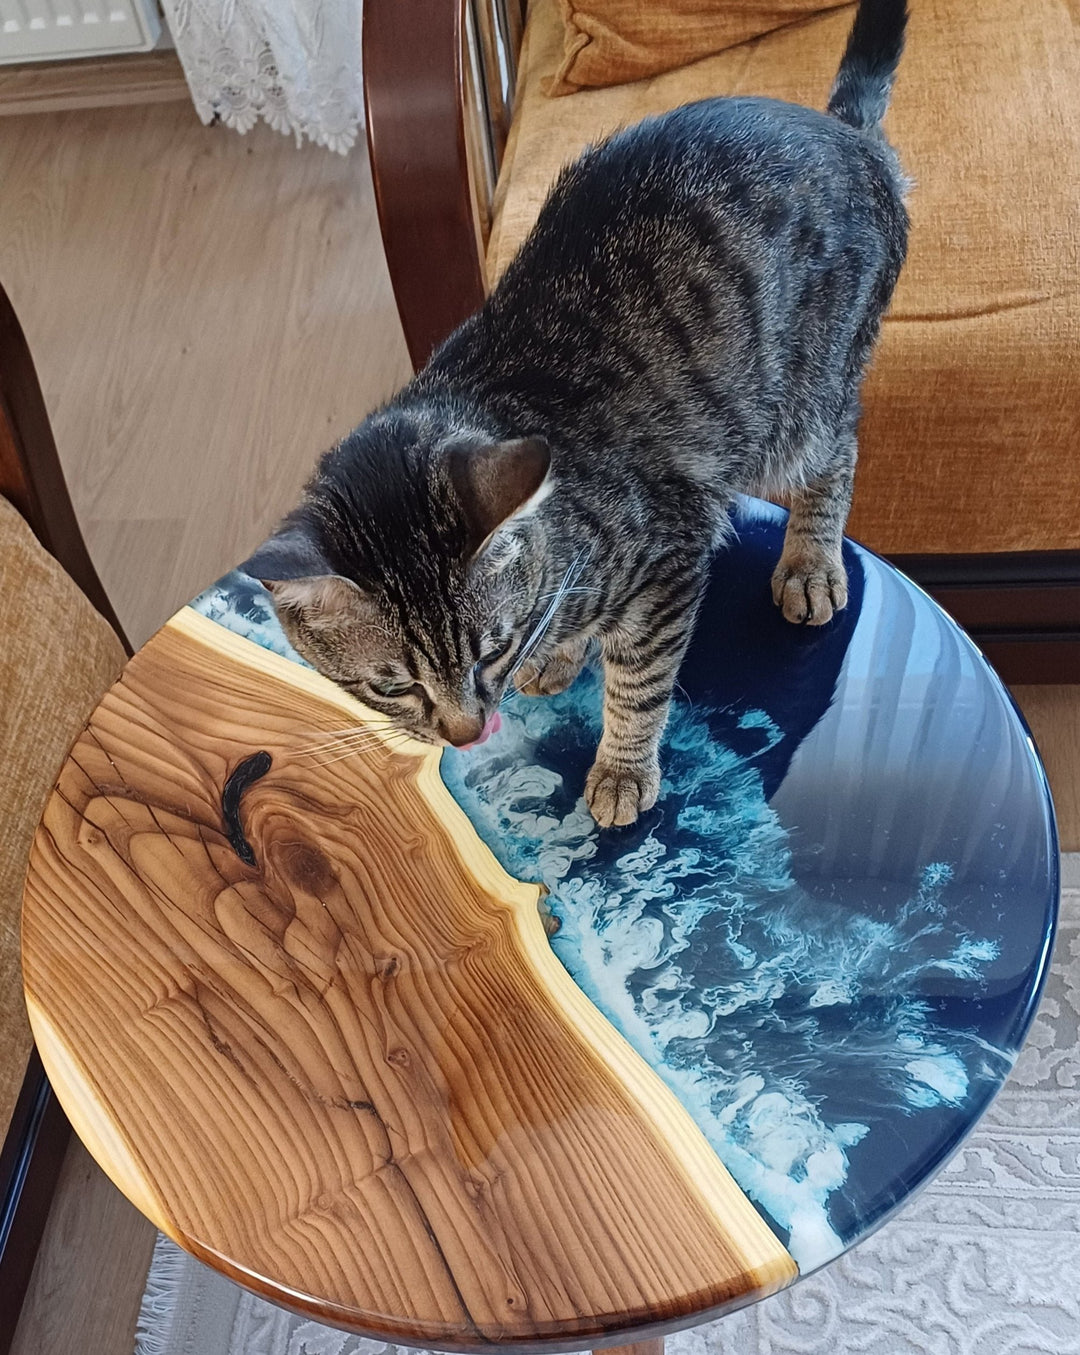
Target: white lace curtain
<point>295,63</point>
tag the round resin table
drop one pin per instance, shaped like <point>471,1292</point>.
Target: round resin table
<point>399,1039</point>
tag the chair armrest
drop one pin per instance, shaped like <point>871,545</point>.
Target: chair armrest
<point>31,477</point>
<point>435,135</point>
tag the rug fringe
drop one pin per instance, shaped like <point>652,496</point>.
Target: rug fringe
<point>154,1327</point>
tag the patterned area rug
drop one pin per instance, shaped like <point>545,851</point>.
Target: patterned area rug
<point>986,1261</point>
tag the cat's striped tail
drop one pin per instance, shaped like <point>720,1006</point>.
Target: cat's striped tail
<point>864,81</point>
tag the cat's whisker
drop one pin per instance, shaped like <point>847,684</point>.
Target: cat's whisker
<point>329,761</point>
<point>566,591</point>
<point>545,620</point>
<point>324,759</point>
<point>368,736</point>
<point>346,752</point>
<point>375,721</point>
<point>569,579</point>
<point>337,733</point>
<point>678,687</point>
<point>391,742</point>
<point>324,743</point>
<point>349,738</point>
<point>355,730</point>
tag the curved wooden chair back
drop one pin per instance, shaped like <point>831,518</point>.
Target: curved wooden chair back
<point>438,84</point>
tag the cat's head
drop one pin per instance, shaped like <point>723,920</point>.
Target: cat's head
<point>410,574</point>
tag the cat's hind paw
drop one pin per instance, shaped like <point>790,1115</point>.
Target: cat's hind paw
<point>617,795</point>
<point>808,590</point>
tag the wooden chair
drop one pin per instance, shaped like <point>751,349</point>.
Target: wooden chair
<point>440,85</point>
<point>31,479</point>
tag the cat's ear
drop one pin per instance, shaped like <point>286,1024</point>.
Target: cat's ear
<point>291,553</point>
<point>496,482</point>
<point>322,602</point>
<point>292,567</point>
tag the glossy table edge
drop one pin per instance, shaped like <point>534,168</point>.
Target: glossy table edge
<point>1050,934</point>
<point>1053,838</point>
<point>1034,998</point>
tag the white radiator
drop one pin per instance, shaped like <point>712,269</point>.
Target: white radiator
<point>49,30</point>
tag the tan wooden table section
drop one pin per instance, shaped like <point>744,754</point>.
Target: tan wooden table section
<point>314,1031</point>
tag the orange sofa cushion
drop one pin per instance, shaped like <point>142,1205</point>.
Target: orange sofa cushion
<point>607,42</point>
<point>971,435</point>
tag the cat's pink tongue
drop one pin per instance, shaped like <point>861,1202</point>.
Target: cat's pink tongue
<point>493,725</point>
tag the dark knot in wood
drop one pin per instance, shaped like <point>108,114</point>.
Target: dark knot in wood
<point>249,771</point>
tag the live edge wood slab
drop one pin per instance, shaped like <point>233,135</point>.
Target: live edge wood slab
<point>313,1030</point>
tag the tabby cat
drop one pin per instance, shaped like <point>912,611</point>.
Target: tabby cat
<point>690,318</point>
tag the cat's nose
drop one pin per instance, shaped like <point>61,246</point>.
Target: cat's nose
<point>461,729</point>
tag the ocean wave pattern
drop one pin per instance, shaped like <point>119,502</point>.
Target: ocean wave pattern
<point>746,995</point>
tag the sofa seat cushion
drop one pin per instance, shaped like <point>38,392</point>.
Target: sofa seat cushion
<point>972,407</point>
<point>57,657</point>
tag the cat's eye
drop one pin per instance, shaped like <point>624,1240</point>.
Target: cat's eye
<point>494,651</point>
<point>393,688</point>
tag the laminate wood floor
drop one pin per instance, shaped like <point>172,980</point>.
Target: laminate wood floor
<point>208,313</point>
<point>90,1270</point>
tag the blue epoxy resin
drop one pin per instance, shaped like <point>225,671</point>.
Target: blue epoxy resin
<point>243,605</point>
<point>829,935</point>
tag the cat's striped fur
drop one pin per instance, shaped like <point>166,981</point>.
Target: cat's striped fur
<point>689,318</point>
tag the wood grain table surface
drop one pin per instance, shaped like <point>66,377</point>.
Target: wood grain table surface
<point>335,1057</point>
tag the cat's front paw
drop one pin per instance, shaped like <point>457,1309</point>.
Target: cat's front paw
<point>552,674</point>
<point>616,795</point>
<point>808,589</point>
